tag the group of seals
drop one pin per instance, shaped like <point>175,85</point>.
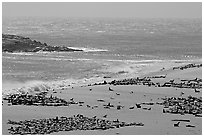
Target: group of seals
<point>189,105</point>
<point>57,124</point>
<point>37,100</point>
<point>193,65</point>
<point>193,84</point>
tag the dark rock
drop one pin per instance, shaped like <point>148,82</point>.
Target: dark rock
<point>14,43</point>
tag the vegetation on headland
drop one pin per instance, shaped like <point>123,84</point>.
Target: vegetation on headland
<point>14,43</point>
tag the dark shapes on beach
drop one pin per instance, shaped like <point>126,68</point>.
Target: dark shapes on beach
<point>162,76</point>
<point>190,126</point>
<point>198,115</point>
<point>105,116</point>
<point>171,81</point>
<point>94,117</point>
<point>95,106</point>
<point>116,121</point>
<point>90,89</point>
<point>104,82</point>
<point>88,106</point>
<point>182,93</point>
<point>108,106</point>
<point>139,124</point>
<point>133,81</point>
<point>196,91</point>
<point>37,100</point>
<point>138,105</point>
<point>179,105</point>
<point>117,94</point>
<point>57,124</point>
<point>146,108</point>
<point>177,124</point>
<point>188,66</point>
<point>183,120</point>
<point>119,107</point>
<point>148,103</point>
<point>193,83</point>
<point>131,92</point>
<point>106,77</point>
<point>110,89</point>
<point>162,69</point>
<point>100,100</point>
<point>81,103</point>
<point>146,81</point>
<point>132,107</point>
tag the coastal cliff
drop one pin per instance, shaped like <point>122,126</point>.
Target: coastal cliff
<point>14,43</point>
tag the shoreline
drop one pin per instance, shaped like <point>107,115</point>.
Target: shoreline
<point>154,67</point>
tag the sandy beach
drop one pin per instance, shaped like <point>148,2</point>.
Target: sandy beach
<point>155,121</point>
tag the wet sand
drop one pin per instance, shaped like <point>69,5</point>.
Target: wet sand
<point>155,121</point>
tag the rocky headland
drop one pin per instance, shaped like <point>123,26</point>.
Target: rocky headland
<point>14,43</point>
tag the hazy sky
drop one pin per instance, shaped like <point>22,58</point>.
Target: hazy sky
<point>135,9</point>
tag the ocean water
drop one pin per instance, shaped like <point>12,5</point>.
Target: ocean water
<point>112,47</point>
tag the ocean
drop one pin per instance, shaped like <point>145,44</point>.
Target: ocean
<point>113,48</point>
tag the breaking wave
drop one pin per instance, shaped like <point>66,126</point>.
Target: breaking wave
<point>36,86</point>
<point>85,49</point>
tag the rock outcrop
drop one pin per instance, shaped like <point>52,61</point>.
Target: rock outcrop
<point>14,43</point>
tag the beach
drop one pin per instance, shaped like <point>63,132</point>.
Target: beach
<point>155,121</point>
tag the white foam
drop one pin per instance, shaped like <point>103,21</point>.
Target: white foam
<point>36,86</point>
<point>135,61</point>
<point>57,59</point>
<point>22,53</point>
<point>89,49</point>
<point>100,31</point>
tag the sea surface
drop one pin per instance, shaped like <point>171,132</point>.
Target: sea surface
<point>113,48</point>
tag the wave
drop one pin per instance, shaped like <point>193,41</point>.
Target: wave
<point>29,86</point>
<point>134,61</point>
<point>135,68</point>
<point>154,60</point>
<point>100,31</point>
<point>37,86</point>
<point>21,53</point>
<point>64,59</point>
<point>85,49</point>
